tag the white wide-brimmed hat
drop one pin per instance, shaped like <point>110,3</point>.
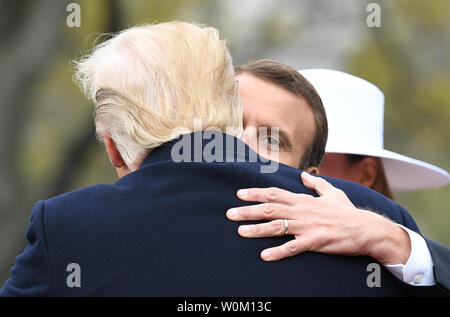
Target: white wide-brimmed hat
<point>355,112</point>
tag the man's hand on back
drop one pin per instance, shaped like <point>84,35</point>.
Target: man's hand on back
<point>329,224</point>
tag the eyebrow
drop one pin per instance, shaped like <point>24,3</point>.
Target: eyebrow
<point>285,141</point>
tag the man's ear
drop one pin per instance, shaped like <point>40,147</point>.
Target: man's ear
<point>368,171</point>
<point>113,152</point>
<point>313,170</point>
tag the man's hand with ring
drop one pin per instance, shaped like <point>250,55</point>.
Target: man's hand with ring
<point>329,223</point>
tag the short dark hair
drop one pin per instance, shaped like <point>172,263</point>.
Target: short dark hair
<point>291,80</point>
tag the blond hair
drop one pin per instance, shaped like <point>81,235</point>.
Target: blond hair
<point>148,84</point>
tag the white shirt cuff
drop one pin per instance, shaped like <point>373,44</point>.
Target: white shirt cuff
<point>418,270</point>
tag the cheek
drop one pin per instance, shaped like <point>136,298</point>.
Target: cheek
<point>289,159</point>
<point>335,168</point>
<point>327,169</point>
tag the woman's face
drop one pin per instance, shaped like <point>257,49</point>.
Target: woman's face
<point>339,166</point>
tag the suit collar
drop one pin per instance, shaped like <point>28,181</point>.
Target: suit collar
<point>203,146</point>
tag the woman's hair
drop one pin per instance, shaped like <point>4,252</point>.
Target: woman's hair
<point>380,183</point>
<point>150,83</point>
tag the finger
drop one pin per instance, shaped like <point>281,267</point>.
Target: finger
<point>264,195</point>
<point>286,250</point>
<point>319,185</point>
<point>273,228</point>
<point>266,211</point>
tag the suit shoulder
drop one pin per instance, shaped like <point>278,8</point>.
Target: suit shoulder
<point>88,198</point>
<point>82,193</point>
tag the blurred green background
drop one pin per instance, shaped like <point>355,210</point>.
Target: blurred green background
<point>46,127</point>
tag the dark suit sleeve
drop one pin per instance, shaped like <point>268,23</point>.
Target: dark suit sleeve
<point>441,259</point>
<point>31,275</point>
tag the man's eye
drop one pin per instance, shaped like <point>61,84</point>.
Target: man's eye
<point>272,141</point>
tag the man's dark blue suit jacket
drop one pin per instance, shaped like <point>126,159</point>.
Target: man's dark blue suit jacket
<point>162,231</point>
